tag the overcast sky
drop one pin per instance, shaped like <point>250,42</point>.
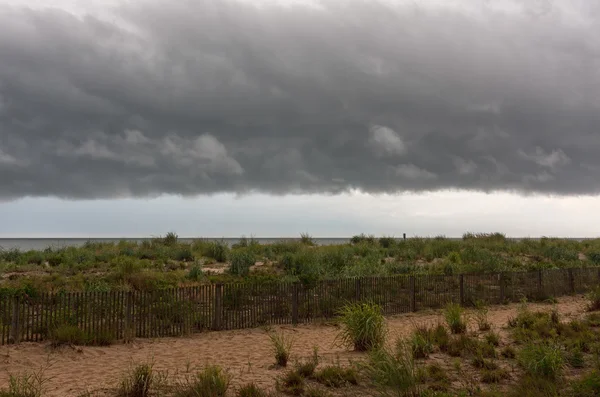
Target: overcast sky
<point>265,117</point>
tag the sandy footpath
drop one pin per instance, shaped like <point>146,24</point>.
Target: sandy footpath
<point>245,353</point>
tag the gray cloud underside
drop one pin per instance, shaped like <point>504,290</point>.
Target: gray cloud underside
<point>193,97</point>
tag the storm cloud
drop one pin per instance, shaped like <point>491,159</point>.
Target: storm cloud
<point>189,97</point>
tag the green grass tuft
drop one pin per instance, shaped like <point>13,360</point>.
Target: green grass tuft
<point>363,326</point>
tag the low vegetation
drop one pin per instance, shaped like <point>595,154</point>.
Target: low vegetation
<point>363,326</point>
<point>536,353</point>
<point>167,262</point>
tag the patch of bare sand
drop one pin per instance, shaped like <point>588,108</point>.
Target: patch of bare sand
<point>246,353</point>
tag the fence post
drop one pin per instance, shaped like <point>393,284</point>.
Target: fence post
<point>15,332</point>
<point>540,284</point>
<point>413,300</point>
<point>357,290</point>
<point>462,290</point>
<point>571,281</point>
<point>218,307</point>
<point>129,333</point>
<point>404,236</point>
<point>295,304</point>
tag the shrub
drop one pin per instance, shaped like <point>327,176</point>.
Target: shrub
<point>540,359</point>
<point>532,386</point>
<point>306,239</point>
<point>68,335</point>
<point>463,345</point>
<point>455,318</point>
<point>281,348</point>
<point>481,317</point>
<point>182,254</point>
<point>241,261</point>
<point>138,383</point>
<point>436,373</point>
<point>393,372</point>
<point>363,326</point>
<point>492,338</point>
<point>218,250</point>
<point>195,273</point>
<point>307,368</point>
<point>250,390</point>
<point>588,385</point>
<point>211,381</point>
<point>336,376</point>
<point>575,358</point>
<point>292,383</point>
<point>420,342</point>
<point>594,299</point>
<point>508,352</point>
<point>494,375</point>
<point>170,239</point>
<point>440,337</point>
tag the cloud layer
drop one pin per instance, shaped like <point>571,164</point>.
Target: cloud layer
<point>189,97</point>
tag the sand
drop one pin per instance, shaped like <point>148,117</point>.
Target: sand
<point>245,353</point>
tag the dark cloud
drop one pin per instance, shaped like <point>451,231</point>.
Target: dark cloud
<point>195,97</point>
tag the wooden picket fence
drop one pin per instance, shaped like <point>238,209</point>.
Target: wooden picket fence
<point>120,315</point>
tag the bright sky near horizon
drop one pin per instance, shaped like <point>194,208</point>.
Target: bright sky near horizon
<point>127,118</point>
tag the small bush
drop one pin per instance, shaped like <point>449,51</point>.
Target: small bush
<point>337,376</point>
<point>217,250</point>
<point>393,371</point>
<point>481,317</point>
<point>420,342</point>
<point>282,346</point>
<point>307,368</point>
<point>292,383</point>
<point>195,273</point>
<point>539,359</point>
<point>363,326</point>
<point>138,383</point>
<point>250,390</point>
<point>492,338</point>
<point>211,381</point>
<point>241,261</point>
<point>461,345</point>
<point>508,352</point>
<point>306,239</point>
<point>440,337</point>
<point>68,335</point>
<point>455,318</point>
<point>594,299</point>
<point>575,358</point>
<point>436,373</point>
<point>494,375</point>
<point>588,385</point>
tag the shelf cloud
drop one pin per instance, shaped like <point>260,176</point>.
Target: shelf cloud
<point>139,99</point>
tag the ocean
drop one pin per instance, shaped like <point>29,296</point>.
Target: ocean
<point>26,244</point>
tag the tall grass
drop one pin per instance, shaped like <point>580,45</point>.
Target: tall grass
<point>28,384</point>
<point>363,326</point>
<point>454,315</point>
<point>394,373</point>
<point>542,359</point>
<point>212,381</point>
<point>138,383</point>
<point>281,346</point>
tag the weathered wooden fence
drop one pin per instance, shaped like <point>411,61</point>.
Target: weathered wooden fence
<point>125,315</point>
